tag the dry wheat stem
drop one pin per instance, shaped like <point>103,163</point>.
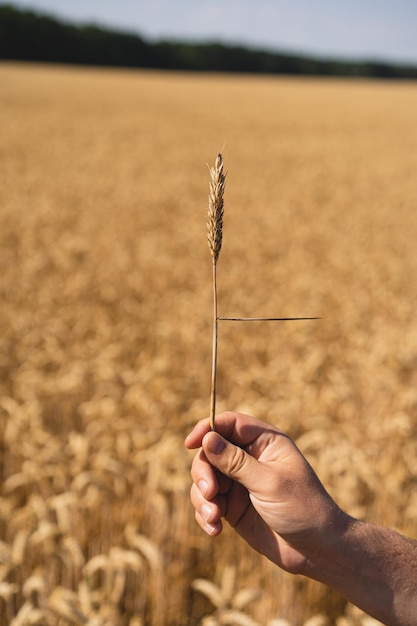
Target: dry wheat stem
<point>214,352</point>
<point>215,236</point>
<point>265,319</point>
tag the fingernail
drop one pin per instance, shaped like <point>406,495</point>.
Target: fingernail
<point>212,529</point>
<point>205,511</point>
<point>203,486</point>
<point>216,444</point>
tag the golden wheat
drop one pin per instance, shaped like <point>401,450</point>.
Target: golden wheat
<point>103,351</point>
<point>215,237</point>
<point>216,207</point>
<point>228,602</point>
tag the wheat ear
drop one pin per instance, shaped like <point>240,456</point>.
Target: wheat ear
<point>214,236</point>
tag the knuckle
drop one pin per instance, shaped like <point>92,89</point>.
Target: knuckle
<point>236,461</point>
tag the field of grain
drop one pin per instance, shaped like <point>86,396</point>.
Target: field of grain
<point>105,329</point>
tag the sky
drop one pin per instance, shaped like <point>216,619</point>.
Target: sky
<point>355,29</point>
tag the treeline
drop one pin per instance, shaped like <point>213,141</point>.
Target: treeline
<point>29,36</point>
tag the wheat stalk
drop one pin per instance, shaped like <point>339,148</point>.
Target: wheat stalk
<point>215,236</point>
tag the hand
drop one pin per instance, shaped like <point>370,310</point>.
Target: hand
<point>254,476</point>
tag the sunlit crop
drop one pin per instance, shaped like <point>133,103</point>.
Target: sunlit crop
<point>105,342</point>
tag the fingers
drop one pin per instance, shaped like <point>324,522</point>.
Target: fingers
<point>206,494</point>
<point>232,461</point>
<point>209,481</point>
<point>241,429</point>
<point>213,496</point>
<point>231,501</point>
<point>208,513</point>
<point>231,453</point>
<point>195,437</point>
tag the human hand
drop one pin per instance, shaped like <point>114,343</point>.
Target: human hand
<point>253,475</point>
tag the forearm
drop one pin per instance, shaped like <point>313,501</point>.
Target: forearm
<point>372,567</point>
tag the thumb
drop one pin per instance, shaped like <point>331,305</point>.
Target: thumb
<point>231,460</point>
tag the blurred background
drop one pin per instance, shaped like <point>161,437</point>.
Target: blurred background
<point>384,32</point>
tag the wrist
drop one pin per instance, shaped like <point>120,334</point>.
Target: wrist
<point>371,566</point>
<point>330,548</point>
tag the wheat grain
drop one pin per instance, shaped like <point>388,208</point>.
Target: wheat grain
<point>28,614</point>
<point>210,590</point>
<point>35,586</point>
<point>65,604</point>
<point>8,590</point>
<point>46,532</point>
<point>118,586</point>
<point>97,563</point>
<point>72,547</point>
<point>85,597</point>
<point>245,596</point>
<point>216,207</point>
<point>232,617</point>
<point>146,547</point>
<point>19,546</point>
<point>125,559</point>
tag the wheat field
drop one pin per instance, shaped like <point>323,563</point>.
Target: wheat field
<point>105,342</point>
